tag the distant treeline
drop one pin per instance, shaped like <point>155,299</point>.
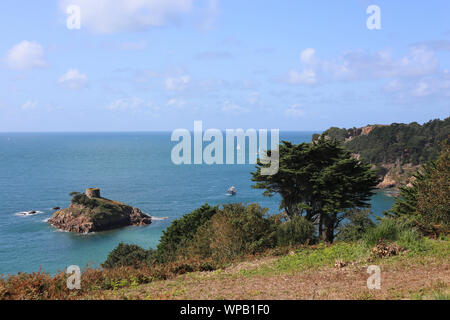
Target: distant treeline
<point>407,143</point>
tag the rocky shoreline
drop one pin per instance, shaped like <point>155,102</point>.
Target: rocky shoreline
<point>397,175</point>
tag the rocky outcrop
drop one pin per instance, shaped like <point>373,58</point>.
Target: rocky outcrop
<point>397,175</point>
<point>388,182</point>
<point>86,215</point>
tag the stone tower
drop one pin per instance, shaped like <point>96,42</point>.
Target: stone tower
<point>93,193</point>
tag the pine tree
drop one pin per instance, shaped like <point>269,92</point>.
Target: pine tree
<point>320,181</point>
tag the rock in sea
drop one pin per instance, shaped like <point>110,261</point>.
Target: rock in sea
<point>91,213</point>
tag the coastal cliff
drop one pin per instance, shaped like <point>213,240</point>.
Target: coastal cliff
<point>396,175</point>
<point>91,213</point>
<point>395,151</point>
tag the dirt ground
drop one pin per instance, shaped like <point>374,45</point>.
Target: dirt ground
<point>411,279</point>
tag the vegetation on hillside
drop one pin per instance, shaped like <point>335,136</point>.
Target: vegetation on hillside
<point>320,264</point>
<point>427,201</point>
<point>405,143</point>
<point>359,222</point>
<point>234,231</point>
<point>181,232</point>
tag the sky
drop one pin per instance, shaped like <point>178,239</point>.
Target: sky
<point>159,65</point>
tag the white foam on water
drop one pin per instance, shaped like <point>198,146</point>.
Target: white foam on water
<point>27,213</point>
<point>159,218</point>
<point>61,230</point>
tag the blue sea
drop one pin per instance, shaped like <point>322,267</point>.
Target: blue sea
<point>39,170</point>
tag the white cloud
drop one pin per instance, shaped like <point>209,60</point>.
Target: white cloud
<point>437,85</point>
<point>437,45</point>
<point>126,104</point>
<point>422,89</point>
<point>135,105</point>
<point>178,103</point>
<point>414,75</point>
<point>307,55</point>
<point>26,55</point>
<point>107,16</point>
<point>177,83</point>
<point>307,76</point>
<point>30,104</point>
<point>231,107</point>
<point>394,86</point>
<point>73,79</point>
<point>359,65</point>
<point>295,111</point>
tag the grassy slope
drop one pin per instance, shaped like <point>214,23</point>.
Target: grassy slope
<point>310,273</point>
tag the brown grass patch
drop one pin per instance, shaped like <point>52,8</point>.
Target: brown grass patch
<point>400,280</point>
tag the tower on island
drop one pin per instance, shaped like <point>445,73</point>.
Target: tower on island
<point>93,193</point>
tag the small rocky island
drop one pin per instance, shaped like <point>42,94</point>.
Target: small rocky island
<point>89,212</point>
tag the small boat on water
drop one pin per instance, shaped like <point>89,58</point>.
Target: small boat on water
<point>232,191</point>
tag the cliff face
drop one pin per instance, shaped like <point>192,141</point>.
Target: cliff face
<point>364,131</point>
<point>87,215</point>
<point>392,175</point>
<point>397,175</point>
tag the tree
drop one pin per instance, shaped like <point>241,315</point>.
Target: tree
<point>433,199</point>
<point>427,200</point>
<point>125,255</point>
<point>235,230</point>
<point>320,181</point>
<point>181,231</point>
<point>359,223</point>
<point>296,231</point>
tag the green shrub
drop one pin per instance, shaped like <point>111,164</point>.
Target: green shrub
<point>413,240</point>
<point>256,229</point>
<point>298,230</point>
<point>401,231</point>
<point>126,255</point>
<point>181,232</point>
<point>387,230</point>
<point>84,200</point>
<point>234,231</point>
<point>359,223</point>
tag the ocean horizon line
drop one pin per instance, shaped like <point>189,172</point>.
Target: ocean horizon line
<point>140,131</point>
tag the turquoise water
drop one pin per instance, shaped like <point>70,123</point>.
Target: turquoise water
<point>38,171</point>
